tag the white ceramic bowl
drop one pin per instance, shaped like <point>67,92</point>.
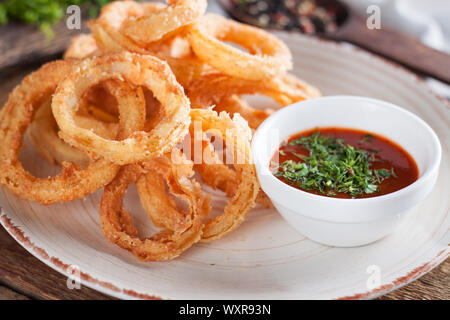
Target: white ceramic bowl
<point>347,222</point>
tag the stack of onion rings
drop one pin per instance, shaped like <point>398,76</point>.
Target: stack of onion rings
<point>118,111</point>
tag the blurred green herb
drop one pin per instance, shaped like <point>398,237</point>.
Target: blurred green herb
<point>43,13</point>
<point>333,167</point>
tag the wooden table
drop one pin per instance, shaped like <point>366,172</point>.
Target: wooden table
<point>23,276</point>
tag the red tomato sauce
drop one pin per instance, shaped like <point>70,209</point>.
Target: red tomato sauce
<point>389,155</point>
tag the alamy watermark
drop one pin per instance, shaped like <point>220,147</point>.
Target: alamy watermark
<point>374,19</point>
<point>73,21</point>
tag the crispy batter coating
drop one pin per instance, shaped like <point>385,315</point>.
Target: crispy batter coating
<point>107,28</point>
<point>15,117</point>
<point>43,131</point>
<point>153,27</point>
<point>242,191</point>
<point>267,56</point>
<point>236,134</point>
<point>168,243</point>
<point>138,70</point>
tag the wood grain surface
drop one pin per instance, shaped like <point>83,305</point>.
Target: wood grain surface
<point>22,276</point>
<point>395,46</point>
<point>24,44</point>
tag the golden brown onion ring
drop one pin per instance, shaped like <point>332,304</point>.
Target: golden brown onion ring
<point>213,87</point>
<point>213,171</point>
<point>43,131</point>
<point>15,117</point>
<point>188,70</point>
<point>167,244</point>
<point>218,175</point>
<point>236,131</point>
<point>154,26</point>
<point>145,71</point>
<point>224,92</point>
<point>243,190</point>
<point>175,171</point>
<point>106,29</point>
<point>267,56</point>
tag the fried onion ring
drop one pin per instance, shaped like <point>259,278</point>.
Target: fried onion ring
<point>218,175</point>
<point>175,169</point>
<point>224,92</point>
<point>212,88</point>
<point>233,130</point>
<point>188,70</point>
<point>267,55</point>
<point>106,29</point>
<point>243,191</point>
<point>167,244</point>
<point>15,117</point>
<point>152,27</point>
<point>43,131</point>
<point>146,71</point>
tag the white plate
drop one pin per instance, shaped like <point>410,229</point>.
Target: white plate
<point>265,258</point>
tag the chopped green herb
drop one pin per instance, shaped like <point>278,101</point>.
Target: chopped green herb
<point>332,167</point>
